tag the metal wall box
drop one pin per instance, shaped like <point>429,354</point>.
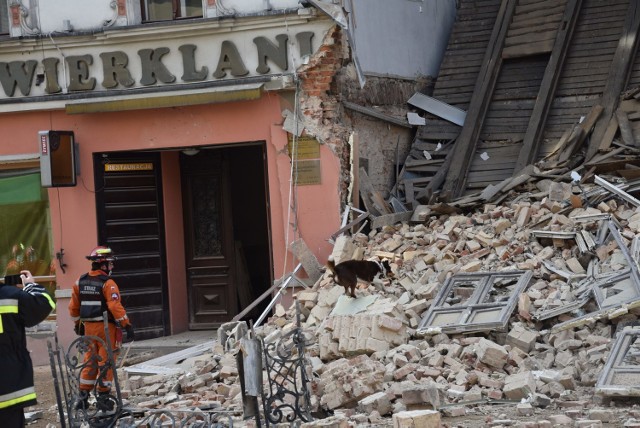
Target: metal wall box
<point>621,373</point>
<point>472,302</point>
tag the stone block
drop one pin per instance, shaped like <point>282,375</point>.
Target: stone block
<point>417,419</point>
<point>587,423</point>
<point>423,394</point>
<point>379,401</point>
<point>519,386</point>
<point>522,338</point>
<point>330,422</point>
<point>491,353</point>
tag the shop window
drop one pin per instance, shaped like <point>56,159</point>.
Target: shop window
<point>4,17</point>
<point>25,236</point>
<point>166,10</point>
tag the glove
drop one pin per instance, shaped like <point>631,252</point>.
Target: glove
<point>79,328</point>
<point>130,333</point>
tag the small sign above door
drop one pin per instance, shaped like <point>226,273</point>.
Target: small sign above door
<point>120,167</point>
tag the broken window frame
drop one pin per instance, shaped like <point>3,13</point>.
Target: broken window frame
<point>614,366</point>
<point>473,306</point>
<point>610,229</point>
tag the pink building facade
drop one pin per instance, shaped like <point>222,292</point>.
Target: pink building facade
<point>189,180</point>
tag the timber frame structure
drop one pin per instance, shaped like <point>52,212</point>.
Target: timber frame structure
<point>532,75</point>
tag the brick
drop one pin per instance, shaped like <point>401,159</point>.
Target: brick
<point>379,401</point>
<point>417,418</point>
<point>423,394</point>
<point>330,422</point>
<point>522,338</point>
<point>586,423</point>
<point>519,386</point>
<point>491,353</point>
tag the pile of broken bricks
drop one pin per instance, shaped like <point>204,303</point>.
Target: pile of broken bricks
<point>518,314</point>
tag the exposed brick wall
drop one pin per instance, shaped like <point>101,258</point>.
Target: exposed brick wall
<point>320,104</point>
<point>328,78</point>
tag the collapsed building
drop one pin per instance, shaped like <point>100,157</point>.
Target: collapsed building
<point>512,230</point>
<point>501,311</point>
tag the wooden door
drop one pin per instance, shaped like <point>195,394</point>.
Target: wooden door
<point>208,232</point>
<point>130,221</point>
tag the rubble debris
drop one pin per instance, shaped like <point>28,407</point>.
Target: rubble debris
<point>370,363</point>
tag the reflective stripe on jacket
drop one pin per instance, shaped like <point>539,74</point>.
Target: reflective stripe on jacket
<point>85,309</point>
<point>19,308</point>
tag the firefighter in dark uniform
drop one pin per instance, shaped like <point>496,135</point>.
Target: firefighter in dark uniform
<point>21,306</point>
<point>93,294</point>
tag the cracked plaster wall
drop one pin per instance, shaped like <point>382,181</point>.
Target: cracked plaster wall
<point>330,77</point>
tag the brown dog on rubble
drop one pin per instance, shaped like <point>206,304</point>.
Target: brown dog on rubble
<point>348,272</point>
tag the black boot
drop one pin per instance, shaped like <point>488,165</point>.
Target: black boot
<point>83,401</point>
<point>105,402</point>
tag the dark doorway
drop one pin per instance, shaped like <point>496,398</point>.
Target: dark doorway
<point>226,229</point>
<point>130,221</point>
<point>228,256</point>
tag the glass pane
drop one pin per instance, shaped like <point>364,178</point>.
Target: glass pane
<point>4,17</point>
<point>206,216</point>
<point>160,10</point>
<point>191,8</point>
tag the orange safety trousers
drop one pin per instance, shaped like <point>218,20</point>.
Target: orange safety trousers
<point>96,357</point>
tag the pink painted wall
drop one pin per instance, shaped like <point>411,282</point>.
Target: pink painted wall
<point>73,209</point>
<point>178,304</point>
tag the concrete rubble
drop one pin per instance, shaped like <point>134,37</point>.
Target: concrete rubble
<point>372,367</point>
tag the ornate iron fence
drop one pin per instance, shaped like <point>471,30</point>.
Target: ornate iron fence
<point>85,408</point>
<point>288,397</point>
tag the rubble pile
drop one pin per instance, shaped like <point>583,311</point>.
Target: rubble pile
<point>381,360</point>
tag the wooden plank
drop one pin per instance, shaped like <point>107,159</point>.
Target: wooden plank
<point>525,9</point>
<point>530,38</point>
<point>531,21</point>
<point>542,24</point>
<point>484,87</point>
<point>629,174</point>
<point>376,114</point>
<point>625,128</point>
<point>535,128</point>
<point>528,49</point>
<point>609,133</point>
<point>374,201</point>
<point>426,195</point>
<point>408,191</point>
<point>365,193</point>
<point>619,74</point>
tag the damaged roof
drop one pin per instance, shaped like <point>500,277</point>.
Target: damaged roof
<point>531,75</point>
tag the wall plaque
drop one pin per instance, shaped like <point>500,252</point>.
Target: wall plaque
<point>307,172</point>
<point>308,148</point>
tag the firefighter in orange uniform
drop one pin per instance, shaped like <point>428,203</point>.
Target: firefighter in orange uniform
<point>94,293</point>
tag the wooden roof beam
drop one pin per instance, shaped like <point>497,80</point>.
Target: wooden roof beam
<point>618,75</point>
<point>482,93</point>
<point>535,128</point>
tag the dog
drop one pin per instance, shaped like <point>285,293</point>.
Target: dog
<point>348,272</point>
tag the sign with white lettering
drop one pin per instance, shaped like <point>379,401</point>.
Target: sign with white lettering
<point>120,167</point>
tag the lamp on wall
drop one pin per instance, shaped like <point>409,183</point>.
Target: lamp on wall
<point>191,151</point>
